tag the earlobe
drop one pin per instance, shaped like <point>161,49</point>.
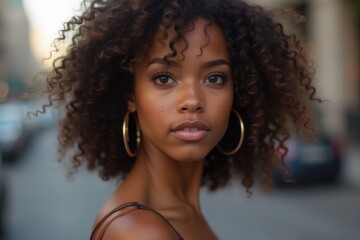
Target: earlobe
<point>131,105</point>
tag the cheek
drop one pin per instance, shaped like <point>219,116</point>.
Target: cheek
<point>151,113</point>
<point>222,115</point>
<point>222,112</point>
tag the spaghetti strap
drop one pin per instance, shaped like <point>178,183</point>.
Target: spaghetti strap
<point>122,207</point>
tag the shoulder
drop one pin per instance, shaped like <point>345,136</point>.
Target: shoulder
<point>138,224</point>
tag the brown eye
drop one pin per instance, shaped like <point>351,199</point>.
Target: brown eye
<point>216,79</point>
<point>163,79</point>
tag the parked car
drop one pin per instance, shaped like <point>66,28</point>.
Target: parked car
<point>14,133</point>
<point>313,161</point>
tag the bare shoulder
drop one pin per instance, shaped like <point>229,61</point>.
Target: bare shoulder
<point>138,224</point>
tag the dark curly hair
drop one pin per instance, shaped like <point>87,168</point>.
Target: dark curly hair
<point>94,80</point>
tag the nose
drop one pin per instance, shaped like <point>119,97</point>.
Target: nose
<point>190,98</point>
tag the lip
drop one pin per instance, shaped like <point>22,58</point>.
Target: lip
<point>190,130</point>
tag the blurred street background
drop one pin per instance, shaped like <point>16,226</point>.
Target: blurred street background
<point>38,202</point>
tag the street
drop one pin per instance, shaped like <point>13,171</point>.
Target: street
<point>42,204</point>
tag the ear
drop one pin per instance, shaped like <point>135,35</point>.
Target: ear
<point>131,104</point>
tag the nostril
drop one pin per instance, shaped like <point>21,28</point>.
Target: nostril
<point>183,109</point>
<point>191,107</point>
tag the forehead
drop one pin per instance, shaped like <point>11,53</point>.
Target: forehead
<point>200,38</point>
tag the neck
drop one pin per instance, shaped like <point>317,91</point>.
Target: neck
<point>178,183</point>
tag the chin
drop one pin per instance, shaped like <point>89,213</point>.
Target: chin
<point>190,155</point>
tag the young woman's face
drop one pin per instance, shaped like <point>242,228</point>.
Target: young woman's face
<point>183,106</point>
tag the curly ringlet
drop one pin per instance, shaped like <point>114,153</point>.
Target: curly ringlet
<point>94,80</point>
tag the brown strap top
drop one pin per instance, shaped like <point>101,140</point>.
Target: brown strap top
<point>96,231</point>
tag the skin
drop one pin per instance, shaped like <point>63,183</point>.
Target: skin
<point>194,87</point>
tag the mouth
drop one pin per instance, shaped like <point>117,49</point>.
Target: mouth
<point>190,130</point>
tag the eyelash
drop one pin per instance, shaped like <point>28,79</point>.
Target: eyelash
<point>223,77</point>
<point>156,79</point>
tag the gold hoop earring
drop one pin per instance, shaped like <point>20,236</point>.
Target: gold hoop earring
<point>125,132</point>
<point>241,140</point>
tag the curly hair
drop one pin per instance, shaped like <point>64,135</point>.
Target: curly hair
<point>94,80</point>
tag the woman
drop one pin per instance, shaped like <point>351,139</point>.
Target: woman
<point>173,95</point>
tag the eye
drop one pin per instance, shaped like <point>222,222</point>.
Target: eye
<point>163,79</point>
<point>216,79</point>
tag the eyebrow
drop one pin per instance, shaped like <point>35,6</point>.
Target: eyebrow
<point>164,62</point>
<point>171,63</point>
<point>215,63</point>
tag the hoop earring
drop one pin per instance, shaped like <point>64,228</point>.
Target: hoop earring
<point>125,132</point>
<point>241,140</point>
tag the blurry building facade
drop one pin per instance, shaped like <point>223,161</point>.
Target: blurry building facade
<point>331,34</point>
<point>17,64</point>
<point>4,87</point>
